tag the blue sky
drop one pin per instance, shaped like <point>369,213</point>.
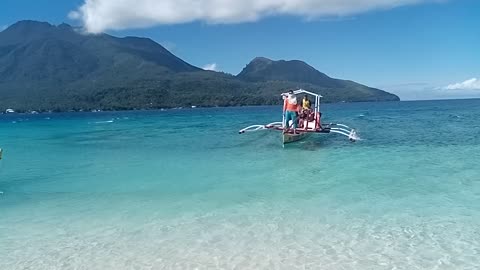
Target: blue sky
<point>424,50</point>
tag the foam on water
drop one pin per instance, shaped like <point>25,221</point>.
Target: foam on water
<point>182,190</point>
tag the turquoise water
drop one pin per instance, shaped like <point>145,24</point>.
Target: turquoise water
<point>181,189</point>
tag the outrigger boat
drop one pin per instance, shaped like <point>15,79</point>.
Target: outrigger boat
<point>309,126</point>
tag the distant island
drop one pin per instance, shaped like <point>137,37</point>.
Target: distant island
<point>44,67</point>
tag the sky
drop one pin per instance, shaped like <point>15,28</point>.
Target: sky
<point>417,49</point>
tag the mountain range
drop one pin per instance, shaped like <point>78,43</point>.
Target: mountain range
<point>57,67</point>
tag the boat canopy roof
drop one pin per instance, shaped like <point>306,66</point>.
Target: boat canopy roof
<point>302,91</point>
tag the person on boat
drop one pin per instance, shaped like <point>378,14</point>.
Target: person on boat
<point>317,117</point>
<point>301,116</point>
<point>306,104</point>
<point>305,111</point>
<point>290,109</point>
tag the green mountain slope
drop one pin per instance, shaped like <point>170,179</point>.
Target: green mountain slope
<point>47,67</point>
<point>298,73</point>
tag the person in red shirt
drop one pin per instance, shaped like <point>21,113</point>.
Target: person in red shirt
<point>290,109</point>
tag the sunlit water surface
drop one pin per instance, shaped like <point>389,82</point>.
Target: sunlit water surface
<point>180,189</point>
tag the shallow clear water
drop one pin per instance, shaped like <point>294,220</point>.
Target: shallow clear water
<point>181,189</point>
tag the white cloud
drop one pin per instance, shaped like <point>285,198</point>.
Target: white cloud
<point>212,67</point>
<point>472,84</point>
<point>100,15</point>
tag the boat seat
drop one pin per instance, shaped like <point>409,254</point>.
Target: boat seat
<point>311,125</point>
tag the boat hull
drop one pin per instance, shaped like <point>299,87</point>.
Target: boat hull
<point>290,137</point>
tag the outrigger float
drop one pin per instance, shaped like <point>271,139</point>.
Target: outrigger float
<point>310,125</point>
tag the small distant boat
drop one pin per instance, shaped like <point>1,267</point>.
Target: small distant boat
<point>9,111</point>
<point>193,107</point>
<point>310,126</point>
